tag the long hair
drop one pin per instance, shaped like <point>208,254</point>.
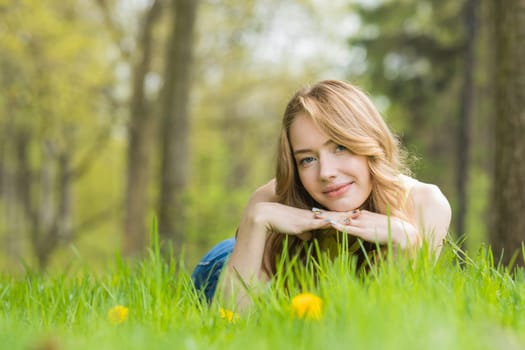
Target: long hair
<point>349,118</point>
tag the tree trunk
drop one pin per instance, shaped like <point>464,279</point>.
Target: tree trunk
<point>64,215</point>
<point>508,231</point>
<point>11,213</point>
<point>463,151</point>
<point>175,125</point>
<point>140,133</point>
<point>47,204</point>
<point>12,218</point>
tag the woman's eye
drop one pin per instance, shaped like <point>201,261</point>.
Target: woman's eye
<point>306,160</point>
<point>340,148</point>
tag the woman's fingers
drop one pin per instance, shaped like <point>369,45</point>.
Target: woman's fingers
<point>340,217</point>
<point>318,213</point>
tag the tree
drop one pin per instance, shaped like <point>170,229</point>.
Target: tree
<point>140,137</point>
<point>508,229</point>
<point>175,123</point>
<point>466,104</point>
<point>142,122</point>
<point>52,117</point>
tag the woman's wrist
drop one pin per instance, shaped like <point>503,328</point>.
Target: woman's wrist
<point>260,218</point>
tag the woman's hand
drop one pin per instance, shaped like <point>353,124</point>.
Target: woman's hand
<point>275,217</point>
<point>373,227</point>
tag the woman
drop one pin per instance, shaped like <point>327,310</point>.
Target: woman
<point>340,169</point>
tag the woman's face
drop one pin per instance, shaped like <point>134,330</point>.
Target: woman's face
<point>335,177</point>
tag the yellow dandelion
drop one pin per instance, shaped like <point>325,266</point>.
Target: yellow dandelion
<point>118,314</point>
<point>228,315</point>
<point>307,306</point>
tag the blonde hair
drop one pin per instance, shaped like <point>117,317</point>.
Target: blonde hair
<point>347,115</point>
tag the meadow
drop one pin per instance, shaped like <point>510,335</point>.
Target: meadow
<point>458,302</point>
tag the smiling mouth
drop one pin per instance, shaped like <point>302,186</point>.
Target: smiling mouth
<point>337,190</point>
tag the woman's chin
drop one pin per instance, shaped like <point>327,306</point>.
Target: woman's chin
<point>342,208</point>
<point>343,205</point>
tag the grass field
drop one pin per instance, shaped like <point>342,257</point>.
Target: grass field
<point>456,303</point>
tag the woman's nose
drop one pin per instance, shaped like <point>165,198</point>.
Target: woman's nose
<point>327,167</point>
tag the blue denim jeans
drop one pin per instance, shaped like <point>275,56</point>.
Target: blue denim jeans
<point>206,274</point>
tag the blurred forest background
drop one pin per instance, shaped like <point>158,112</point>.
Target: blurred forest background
<point>113,112</point>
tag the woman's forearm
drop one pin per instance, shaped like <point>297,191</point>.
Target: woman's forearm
<point>244,268</point>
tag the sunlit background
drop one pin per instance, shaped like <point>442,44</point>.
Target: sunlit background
<point>83,92</point>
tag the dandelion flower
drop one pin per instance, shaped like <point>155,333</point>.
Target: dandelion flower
<point>228,315</point>
<point>307,306</point>
<point>118,314</point>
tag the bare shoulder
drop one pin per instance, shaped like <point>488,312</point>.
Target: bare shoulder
<point>265,193</point>
<point>422,192</point>
<point>428,197</point>
<point>431,211</point>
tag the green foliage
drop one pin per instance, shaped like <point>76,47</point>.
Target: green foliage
<point>479,186</point>
<point>55,76</point>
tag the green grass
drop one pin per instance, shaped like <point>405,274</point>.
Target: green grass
<point>456,303</point>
